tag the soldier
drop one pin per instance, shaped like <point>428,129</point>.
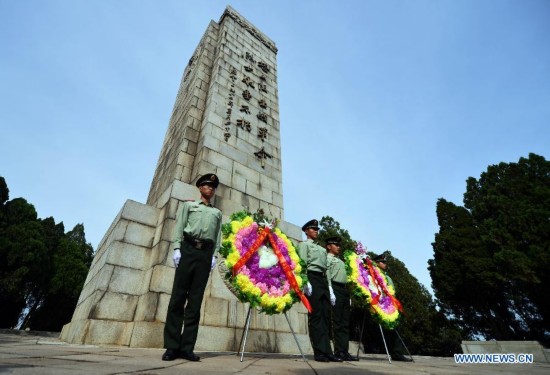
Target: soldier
<point>317,291</point>
<point>396,347</point>
<point>339,299</point>
<point>196,238</point>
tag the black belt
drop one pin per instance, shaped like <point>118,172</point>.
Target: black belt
<point>198,243</point>
<point>343,285</point>
<point>317,273</point>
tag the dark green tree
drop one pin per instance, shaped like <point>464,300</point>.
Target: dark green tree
<point>491,257</point>
<point>24,263</point>
<point>42,269</point>
<point>71,261</point>
<point>331,228</point>
<point>4,191</point>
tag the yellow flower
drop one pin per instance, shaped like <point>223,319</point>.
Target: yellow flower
<point>235,226</point>
<point>280,305</point>
<point>232,259</point>
<point>247,222</point>
<point>266,301</point>
<point>299,280</point>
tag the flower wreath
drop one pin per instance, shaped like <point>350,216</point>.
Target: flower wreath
<point>370,287</point>
<point>263,267</point>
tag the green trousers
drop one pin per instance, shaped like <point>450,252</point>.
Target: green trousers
<point>185,303</point>
<point>340,318</point>
<point>318,319</point>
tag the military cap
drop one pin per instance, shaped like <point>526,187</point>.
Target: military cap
<point>208,179</point>
<point>333,240</point>
<point>380,258</point>
<point>311,224</point>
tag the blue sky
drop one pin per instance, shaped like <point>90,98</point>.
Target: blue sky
<point>384,106</point>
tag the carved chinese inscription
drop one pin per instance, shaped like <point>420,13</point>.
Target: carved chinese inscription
<point>248,82</point>
<point>248,56</point>
<point>262,103</point>
<point>227,123</point>
<point>247,95</point>
<point>263,66</point>
<point>262,117</point>
<point>262,87</point>
<point>248,69</point>
<point>243,124</point>
<point>262,155</point>
<point>245,109</point>
<point>262,133</point>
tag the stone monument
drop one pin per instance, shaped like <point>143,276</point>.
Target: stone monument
<point>225,120</point>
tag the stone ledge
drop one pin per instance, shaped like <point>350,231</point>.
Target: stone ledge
<point>540,354</point>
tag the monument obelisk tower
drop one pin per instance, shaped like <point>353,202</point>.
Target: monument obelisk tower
<point>225,120</point>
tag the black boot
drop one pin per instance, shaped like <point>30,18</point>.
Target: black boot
<point>348,357</point>
<point>170,354</point>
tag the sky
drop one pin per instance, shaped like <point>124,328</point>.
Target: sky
<point>385,106</point>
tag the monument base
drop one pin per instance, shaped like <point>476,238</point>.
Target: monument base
<point>127,291</point>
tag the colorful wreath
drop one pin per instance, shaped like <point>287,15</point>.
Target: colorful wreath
<point>370,287</point>
<point>263,267</point>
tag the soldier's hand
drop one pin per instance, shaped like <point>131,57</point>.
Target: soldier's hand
<point>176,258</point>
<point>332,296</point>
<point>308,289</point>
<point>213,263</point>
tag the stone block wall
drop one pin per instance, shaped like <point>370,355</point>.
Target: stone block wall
<point>225,120</point>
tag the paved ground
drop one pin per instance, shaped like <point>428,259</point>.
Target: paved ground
<point>39,354</point>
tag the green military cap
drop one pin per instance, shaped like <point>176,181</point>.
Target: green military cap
<point>333,240</point>
<point>208,179</point>
<point>311,224</point>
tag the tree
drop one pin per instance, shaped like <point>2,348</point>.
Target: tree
<point>491,257</point>
<point>331,228</point>
<point>23,259</point>
<point>71,260</point>
<point>42,268</point>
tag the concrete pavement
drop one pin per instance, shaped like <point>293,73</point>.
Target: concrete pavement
<point>34,353</point>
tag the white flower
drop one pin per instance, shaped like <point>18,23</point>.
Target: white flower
<point>267,257</point>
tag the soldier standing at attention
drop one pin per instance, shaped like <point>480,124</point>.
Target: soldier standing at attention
<point>317,291</point>
<point>197,236</point>
<point>396,346</point>
<point>339,299</point>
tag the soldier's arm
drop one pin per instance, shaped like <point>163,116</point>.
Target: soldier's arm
<point>219,236</point>
<point>303,252</point>
<point>330,270</point>
<point>181,221</point>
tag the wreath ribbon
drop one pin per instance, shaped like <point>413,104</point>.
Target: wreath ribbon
<point>266,232</point>
<point>255,246</point>
<point>382,288</point>
<point>288,273</point>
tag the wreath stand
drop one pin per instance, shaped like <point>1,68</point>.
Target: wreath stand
<point>247,327</point>
<point>383,339</point>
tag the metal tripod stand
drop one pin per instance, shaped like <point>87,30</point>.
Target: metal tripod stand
<point>247,327</point>
<point>383,339</point>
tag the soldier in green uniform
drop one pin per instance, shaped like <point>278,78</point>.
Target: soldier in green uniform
<point>340,299</point>
<point>197,236</point>
<point>317,291</point>
<point>396,347</point>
